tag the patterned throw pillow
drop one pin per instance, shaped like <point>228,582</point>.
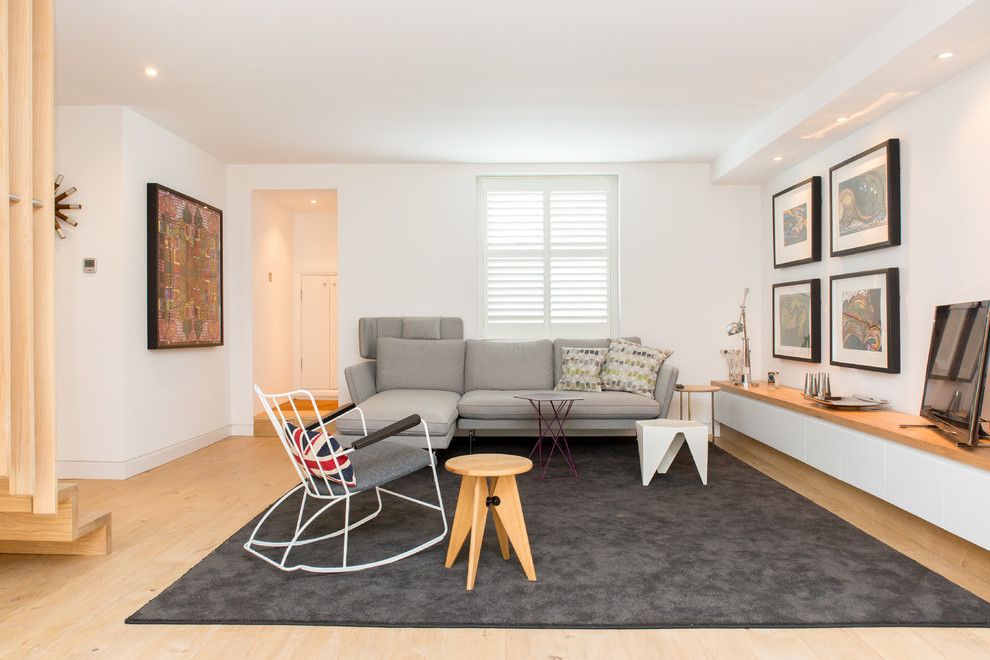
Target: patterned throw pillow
<point>319,454</point>
<point>631,367</point>
<point>580,369</point>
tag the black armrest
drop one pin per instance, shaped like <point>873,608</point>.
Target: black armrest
<point>332,416</point>
<point>387,432</point>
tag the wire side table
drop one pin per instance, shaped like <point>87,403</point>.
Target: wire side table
<point>552,409</point>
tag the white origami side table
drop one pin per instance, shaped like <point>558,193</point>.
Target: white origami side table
<point>660,439</point>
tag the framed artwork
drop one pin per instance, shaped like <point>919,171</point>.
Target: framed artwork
<point>797,224</point>
<point>797,320</point>
<point>865,200</point>
<point>865,328</point>
<point>185,271</point>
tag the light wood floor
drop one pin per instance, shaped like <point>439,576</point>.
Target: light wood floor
<point>168,519</point>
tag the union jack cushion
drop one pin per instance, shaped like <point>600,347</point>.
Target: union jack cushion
<point>320,454</point>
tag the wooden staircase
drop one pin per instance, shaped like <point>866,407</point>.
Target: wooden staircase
<point>67,532</point>
<point>38,513</point>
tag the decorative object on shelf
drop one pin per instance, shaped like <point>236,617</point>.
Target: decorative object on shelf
<point>772,378</point>
<point>739,327</point>
<point>734,361</point>
<point>865,200</point>
<point>797,224</point>
<point>865,331</point>
<point>797,320</point>
<point>185,271</point>
<point>817,386</point>
<point>61,206</point>
<point>854,402</point>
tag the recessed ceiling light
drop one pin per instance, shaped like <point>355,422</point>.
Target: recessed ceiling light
<point>312,201</point>
<point>945,55</point>
<point>842,119</point>
<point>151,72</point>
<point>778,158</point>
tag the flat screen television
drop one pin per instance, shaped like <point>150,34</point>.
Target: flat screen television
<point>955,399</point>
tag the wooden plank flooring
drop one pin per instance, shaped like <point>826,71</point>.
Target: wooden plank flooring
<point>168,519</point>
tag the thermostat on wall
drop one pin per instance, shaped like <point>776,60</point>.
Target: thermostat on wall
<point>89,265</point>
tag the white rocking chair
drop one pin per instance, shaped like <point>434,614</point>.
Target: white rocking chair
<point>375,464</point>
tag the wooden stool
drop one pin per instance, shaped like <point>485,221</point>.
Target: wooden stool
<point>477,495</point>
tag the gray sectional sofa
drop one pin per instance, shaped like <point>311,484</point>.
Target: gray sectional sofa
<point>424,366</point>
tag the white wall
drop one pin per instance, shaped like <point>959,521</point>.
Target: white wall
<point>273,252</point>
<point>122,408</point>
<point>315,241</point>
<point>945,228</point>
<point>407,237</point>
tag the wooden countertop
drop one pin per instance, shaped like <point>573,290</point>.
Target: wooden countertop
<point>882,423</point>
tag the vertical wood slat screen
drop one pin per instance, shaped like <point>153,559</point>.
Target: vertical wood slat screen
<point>27,442</point>
<point>548,256</point>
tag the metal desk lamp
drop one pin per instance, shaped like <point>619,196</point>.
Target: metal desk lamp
<point>735,328</point>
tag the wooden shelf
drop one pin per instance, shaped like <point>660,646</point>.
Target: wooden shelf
<point>881,423</point>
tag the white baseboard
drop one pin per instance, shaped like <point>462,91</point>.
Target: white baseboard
<point>242,429</point>
<point>151,460</point>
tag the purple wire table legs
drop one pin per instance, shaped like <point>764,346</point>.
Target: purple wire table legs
<point>552,428</point>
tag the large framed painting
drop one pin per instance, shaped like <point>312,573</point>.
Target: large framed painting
<point>865,329</point>
<point>865,200</point>
<point>185,270</point>
<point>797,224</point>
<point>797,320</point>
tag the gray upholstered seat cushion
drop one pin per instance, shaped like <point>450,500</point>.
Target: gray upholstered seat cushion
<point>437,408</point>
<point>378,464</point>
<point>502,404</point>
<point>508,365</point>
<point>420,364</point>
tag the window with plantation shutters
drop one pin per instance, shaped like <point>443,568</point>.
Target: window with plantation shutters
<point>548,266</point>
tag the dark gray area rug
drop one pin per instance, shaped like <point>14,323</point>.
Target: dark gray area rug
<point>743,551</point>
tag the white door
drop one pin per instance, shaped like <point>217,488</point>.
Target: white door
<point>318,341</point>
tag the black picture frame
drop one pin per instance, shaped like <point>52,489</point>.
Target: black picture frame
<point>815,293</point>
<point>153,242</point>
<point>815,221</point>
<point>892,320</point>
<point>892,201</point>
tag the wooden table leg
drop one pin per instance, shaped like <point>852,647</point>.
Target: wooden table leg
<point>479,516</point>
<point>503,538</point>
<point>511,514</point>
<point>462,520</point>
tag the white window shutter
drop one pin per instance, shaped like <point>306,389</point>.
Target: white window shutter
<point>548,256</point>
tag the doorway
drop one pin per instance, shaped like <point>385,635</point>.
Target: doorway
<point>294,291</point>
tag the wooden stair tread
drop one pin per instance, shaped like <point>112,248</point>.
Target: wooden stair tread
<point>89,521</point>
<point>24,503</point>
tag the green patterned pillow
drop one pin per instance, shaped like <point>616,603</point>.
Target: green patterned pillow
<point>631,367</point>
<point>579,369</point>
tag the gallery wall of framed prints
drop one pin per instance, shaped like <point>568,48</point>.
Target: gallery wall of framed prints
<point>864,306</point>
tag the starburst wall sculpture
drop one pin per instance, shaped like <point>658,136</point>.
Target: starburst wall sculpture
<point>61,206</point>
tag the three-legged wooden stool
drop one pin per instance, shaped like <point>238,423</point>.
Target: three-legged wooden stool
<point>477,495</point>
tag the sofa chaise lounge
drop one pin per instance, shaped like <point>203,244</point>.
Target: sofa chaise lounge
<point>424,366</point>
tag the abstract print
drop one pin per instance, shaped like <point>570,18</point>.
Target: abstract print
<point>796,225</point>
<point>861,320</point>
<point>863,201</point>
<point>795,320</point>
<point>188,272</point>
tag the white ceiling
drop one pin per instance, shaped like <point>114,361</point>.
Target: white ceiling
<point>264,81</point>
<point>303,201</point>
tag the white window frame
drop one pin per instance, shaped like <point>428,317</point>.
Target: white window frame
<point>548,330</point>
